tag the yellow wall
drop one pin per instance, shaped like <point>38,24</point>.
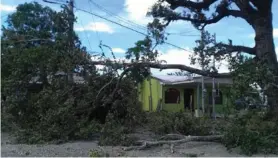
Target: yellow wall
<point>145,93</point>
<point>158,92</point>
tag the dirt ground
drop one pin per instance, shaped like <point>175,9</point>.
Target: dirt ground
<point>82,148</point>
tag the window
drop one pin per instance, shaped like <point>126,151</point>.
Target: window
<point>172,96</point>
<point>218,97</point>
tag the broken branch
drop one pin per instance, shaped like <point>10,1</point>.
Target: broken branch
<point>166,66</point>
<point>172,137</point>
<point>235,48</point>
<point>196,5</point>
<point>146,144</point>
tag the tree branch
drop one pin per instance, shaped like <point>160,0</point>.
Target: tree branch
<point>146,144</point>
<point>246,9</point>
<point>29,40</point>
<point>166,66</point>
<point>235,48</point>
<point>215,19</point>
<point>221,11</point>
<point>196,5</point>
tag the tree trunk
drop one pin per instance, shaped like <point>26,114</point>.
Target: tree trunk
<point>265,52</point>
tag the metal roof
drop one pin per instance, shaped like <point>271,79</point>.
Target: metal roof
<point>172,79</point>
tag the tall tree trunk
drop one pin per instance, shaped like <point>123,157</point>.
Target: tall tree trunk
<point>265,52</point>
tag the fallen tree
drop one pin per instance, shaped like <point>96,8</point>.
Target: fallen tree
<point>183,139</point>
<point>162,67</point>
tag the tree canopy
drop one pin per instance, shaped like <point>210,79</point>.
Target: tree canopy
<point>258,14</point>
<point>36,57</point>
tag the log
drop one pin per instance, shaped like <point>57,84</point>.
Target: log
<point>172,137</point>
<point>146,144</point>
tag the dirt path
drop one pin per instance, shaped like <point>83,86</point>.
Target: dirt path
<point>81,149</point>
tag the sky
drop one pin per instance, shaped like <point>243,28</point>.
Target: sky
<point>132,13</point>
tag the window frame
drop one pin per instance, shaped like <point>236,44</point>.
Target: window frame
<point>171,100</point>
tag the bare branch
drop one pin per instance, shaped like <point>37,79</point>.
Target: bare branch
<point>215,19</point>
<point>166,66</point>
<point>221,11</point>
<point>245,6</point>
<point>196,5</point>
<point>235,48</point>
<point>107,84</point>
<point>246,9</point>
<point>146,144</point>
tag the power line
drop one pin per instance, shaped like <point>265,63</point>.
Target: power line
<point>99,16</point>
<point>123,26</point>
<point>119,17</point>
<point>133,23</point>
<point>86,35</point>
<point>182,33</point>
<point>57,2</point>
<point>94,22</point>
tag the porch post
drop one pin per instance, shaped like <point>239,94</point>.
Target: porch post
<point>150,97</point>
<point>203,95</point>
<point>198,101</point>
<point>161,97</point>
<point>213,98</point>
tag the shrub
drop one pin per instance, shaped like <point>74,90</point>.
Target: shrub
<point>114,133</point>
<point>96,153</point>
<point>184,123</point>
<point>252,133</point>
<point>62,113</point>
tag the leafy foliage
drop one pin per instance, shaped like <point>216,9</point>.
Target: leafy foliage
<point>97,153</point>
<point>42,106</point>
<point>252,133</point>
<point>114,133</point>
<point>183,123</point>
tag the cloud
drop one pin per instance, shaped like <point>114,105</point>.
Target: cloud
<point>7,8</point>
<point>97,26</point>
<point>137,10</point>
<point>176,56</point>
<point>118,50</point>
<point>276,50</point>
<point>275,33</point>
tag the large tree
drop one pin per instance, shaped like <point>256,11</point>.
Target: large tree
<point>256,13</point>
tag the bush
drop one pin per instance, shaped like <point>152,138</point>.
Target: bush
<point>252,133</point>
<point>183,123</point>
<point>113,133</point>
<point>96,153</point>
<point>62,113</point>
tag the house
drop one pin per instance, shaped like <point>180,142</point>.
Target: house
<point>180,93</point>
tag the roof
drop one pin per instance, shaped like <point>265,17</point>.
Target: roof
<point>172,79</point>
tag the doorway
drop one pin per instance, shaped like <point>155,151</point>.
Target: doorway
<point>189,99</point>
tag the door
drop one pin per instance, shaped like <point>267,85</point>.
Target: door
<point>189,99</point>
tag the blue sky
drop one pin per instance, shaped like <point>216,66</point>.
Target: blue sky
<point>92,30</point>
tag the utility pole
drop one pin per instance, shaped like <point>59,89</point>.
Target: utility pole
<point>71,39</point>
<point>213,87</point>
